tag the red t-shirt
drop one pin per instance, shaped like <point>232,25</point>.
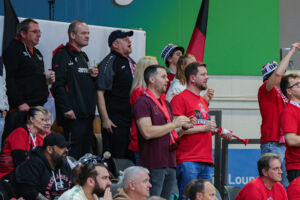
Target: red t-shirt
<point>293,190</point>
<point>195,147</point>
<point>256,190</point>
<point>171,76</point>
<point>271,105</point>
<point>133,145</point>
<point>290,123</point>
<point>19,139</point>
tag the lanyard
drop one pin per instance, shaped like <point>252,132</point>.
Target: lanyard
<point>164,109</point>
<point>132,67</point>
<point>33,138</point>
<point>285,100</point>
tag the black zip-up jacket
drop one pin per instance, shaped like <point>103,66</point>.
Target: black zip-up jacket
<point>36,176</point>
<point>74,88</point>
<point>25,79</point>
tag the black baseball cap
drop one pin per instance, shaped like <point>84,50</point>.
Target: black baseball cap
<point>55,139</point>
<point>118,34</point>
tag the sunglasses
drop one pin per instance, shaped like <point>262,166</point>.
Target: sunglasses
<point>94,161</point>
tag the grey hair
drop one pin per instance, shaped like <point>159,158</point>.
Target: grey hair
<point>131,174</point>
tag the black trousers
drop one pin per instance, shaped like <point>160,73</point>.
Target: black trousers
<point>80,133</point>
<point>117,142</point>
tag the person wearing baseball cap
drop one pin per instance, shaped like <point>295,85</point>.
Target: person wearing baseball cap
<point>271,102</point>
<point>113,84</point>
<point>46,174</point>
<point>170,54</point>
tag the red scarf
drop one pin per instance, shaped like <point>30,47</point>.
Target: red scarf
<point>163,107</point>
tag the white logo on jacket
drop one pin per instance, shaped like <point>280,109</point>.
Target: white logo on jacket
<point>83,70</point>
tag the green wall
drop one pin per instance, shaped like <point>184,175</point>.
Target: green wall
<point>242,35</point>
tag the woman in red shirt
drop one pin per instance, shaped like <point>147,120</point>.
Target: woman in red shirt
<point>21,140</point>
<point>138,88</point>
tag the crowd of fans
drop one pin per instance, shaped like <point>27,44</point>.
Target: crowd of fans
<point>150,114</point>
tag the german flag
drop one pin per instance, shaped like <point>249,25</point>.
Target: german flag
<point>197,42</point>
<point>10,24</point>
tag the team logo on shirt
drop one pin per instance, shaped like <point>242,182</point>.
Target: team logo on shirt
<point>26,54</point>
<point>70,63</point>
<point>270,198</point>
<point>83,70</point>
<point>39,57</point>
<point>201,115</point>
<point>123,67</point>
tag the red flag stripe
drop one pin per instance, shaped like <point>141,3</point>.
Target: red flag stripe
<point>197,42</point>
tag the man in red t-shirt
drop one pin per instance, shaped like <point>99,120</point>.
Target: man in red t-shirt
<point>170,54</point>
<point>155,125</point>
<point>293,191</point>
<point>271,102</point>
<point>267,185</point>
<point>194,156</point>
<point>289,122</point>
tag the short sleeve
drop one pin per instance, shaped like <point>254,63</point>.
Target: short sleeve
<point>178,106</point>
<point>289,121</point>
<point>141,108</point>
<point>104,80</point>
<point>19,139</point>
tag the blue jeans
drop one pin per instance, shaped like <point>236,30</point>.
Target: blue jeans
<point>188,171</point>
<point>279,149</point>
<point>163,181</point>
<point>137,158</point>
<point>2,121</point>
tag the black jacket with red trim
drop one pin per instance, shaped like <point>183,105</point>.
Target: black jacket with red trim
<point>74,88</point>
<point>25,79</point>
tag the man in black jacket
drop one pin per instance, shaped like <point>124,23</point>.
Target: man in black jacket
<point>116,72</point>
<point>25,79</point>
<point>46,174</point>
<point>74,90</point>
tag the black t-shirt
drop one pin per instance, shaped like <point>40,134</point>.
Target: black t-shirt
<point>115,77</point>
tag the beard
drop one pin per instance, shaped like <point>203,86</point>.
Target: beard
<point>202,86</point>
<point>98,190</point>
<point>57,159</point>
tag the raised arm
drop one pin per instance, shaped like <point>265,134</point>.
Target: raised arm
<point>275,78</point>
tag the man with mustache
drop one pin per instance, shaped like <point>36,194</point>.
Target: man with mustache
<point>46,174</point>
<point>92,182</point>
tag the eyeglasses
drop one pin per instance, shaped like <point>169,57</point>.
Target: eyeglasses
<point>36,32</point>
<point>296,84</point>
